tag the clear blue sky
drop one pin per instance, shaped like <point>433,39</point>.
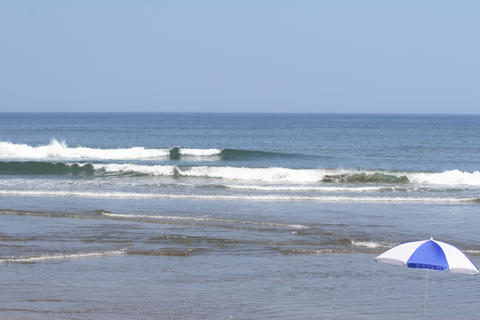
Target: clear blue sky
<point>240,56</point>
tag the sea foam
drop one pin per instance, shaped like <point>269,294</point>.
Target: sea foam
<point>451,177</point>
<point>66,256</point>
<point>225,172</point>
<point>134,195</point>
<point>287,175</point>
<point>203,219</point>
<point>59,150</point>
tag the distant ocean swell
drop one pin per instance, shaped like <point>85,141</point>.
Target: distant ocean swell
<point>57,151</point>
<point>266,175</point>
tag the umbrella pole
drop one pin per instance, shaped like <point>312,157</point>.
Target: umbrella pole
<point>425,294</point>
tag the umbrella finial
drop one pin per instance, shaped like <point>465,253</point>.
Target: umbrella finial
<point>431,238</point>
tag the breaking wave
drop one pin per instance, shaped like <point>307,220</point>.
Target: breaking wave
<point>229,173</point>
<point>451,177</point>
<point>59,150</point>
<point>262,175</point>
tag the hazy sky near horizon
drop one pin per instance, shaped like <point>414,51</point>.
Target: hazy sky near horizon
<point>240,56</point>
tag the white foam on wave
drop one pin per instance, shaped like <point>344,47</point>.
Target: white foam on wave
<point>451,177</point>
<point>64,256</point>
<point>204,219</point>
<point>133,195</point>
<point>230,173</point>
<point>274,174</point>
<point>59,150</point>
<point>199,152</point>
<point>157,170</point>
<point>369,244</point>
<point>287,175</point>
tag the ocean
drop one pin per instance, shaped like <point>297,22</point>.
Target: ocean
<point>233,216</point>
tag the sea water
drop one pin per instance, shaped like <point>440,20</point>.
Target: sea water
<point>233,216</point>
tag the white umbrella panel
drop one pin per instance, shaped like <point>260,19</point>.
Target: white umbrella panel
<point>429,254</point>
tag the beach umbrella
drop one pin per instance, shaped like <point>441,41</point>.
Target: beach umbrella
<point>431,255</point>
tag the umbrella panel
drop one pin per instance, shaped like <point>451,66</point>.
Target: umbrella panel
<point>429,255</point>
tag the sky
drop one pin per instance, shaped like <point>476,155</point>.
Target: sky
<point>240,56</point>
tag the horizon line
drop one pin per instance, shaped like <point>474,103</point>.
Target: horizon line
<point>239,112</point>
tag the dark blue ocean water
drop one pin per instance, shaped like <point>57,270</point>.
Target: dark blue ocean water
<point>395,142</point>
<point>246,216</point>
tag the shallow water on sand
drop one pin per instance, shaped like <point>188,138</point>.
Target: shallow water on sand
<point>189,259</point>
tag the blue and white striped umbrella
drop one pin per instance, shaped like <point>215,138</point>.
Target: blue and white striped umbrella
<point>429,254</point>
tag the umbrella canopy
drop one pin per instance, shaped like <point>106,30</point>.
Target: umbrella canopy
<point>429,254</point>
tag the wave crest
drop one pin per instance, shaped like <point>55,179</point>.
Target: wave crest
<point>275,175</point>
<point>59,150</point>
